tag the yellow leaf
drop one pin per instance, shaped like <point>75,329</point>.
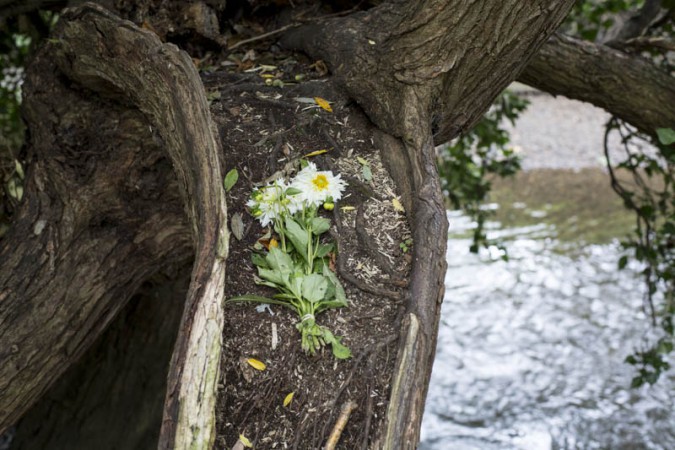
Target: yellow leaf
<point>258,365</point>
<point>288,399</point>
<point>323,104</point>
<point>314,153</point>
<point>266,75</point>
<point>347,208</point>
<point>397,205</point>
<point>244,440</point>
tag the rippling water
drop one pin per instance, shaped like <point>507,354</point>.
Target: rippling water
<point>530,351</point>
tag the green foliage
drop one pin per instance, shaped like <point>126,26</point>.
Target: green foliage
<point>650,193</point>
<point>15,50</point>
<point>467,164</point>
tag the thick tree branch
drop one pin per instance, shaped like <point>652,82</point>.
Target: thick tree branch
<point>629,87</point>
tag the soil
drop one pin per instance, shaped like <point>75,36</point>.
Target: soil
<point>265,130</point>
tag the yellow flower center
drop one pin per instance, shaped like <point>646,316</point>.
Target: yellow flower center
<point>320,181</point>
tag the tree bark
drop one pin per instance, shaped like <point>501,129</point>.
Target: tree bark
<point>113,397</point>
<point>630,87</point>
<point>90,231</point>
<point>100,215</point>
<point>107,55</point>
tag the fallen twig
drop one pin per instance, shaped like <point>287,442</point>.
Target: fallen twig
<point>339,427</point>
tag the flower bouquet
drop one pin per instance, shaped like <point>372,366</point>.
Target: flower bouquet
<point>296,264</point>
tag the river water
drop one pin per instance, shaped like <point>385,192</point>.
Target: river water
<point>530,351</point>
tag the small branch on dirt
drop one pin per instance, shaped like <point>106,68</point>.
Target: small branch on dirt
<point>369,408</point>
<point>339,427</point>
<point>263,36</point>
<point>370,350</point>
<point>364,188</point>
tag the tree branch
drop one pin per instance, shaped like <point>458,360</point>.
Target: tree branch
<point>629,87</point>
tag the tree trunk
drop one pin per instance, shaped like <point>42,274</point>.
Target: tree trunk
<point>99,224</point>
<point>113,397</point>
<point>94,226</point>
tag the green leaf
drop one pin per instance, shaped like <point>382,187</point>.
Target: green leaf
<point>230,179</point>
<point>623,261</point>
<point>340,295</point>
<point>274,276</point>
<point>19,169</point>
<point>295,285</point>
<point>298,237</point>
<point>314,287</point>
<point>320,225</point>
<point>339,351</point>
<point>293,191</point>
<point>256,299</point>
<point>259,260</point>
<point>666,136</point>
<point>324,249</point>
<point>366,173</point>
<point>280,261</point>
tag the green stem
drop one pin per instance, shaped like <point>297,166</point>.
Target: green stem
<point>310,253</point>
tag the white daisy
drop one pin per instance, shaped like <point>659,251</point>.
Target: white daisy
<point>267,203</point>
<point>317,186</point>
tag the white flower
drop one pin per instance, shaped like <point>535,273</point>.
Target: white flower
<point>268,203</point>
<point>317,186</point>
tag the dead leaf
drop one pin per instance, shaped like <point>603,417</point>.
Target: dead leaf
<point>258,365</point>
<point>323,103</point>
<point>237,226</point>
<point>320,67</point>
<point>315,153</point>
<point>397,205</point>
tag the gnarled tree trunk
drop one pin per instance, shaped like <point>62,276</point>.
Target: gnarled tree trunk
<point>94,226</point>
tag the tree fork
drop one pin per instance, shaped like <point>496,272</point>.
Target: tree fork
<point>423,76</point>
